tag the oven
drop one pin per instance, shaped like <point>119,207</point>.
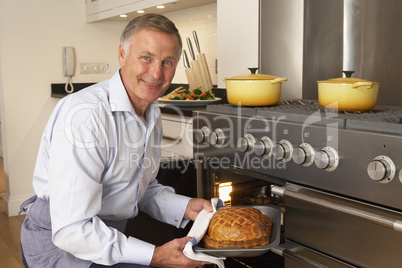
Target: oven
<point>336,177</point>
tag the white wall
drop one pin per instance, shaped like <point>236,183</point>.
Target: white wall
<point>203,20</point>
<point>32,34</point>
<point>238,41</point>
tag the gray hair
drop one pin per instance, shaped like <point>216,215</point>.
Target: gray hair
<point>149,21</point>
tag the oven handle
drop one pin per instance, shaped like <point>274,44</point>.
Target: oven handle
<point>284,252</point>
<point>169,138</point>
<point>371,217</point>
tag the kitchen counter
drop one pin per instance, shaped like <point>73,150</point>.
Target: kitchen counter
<point>57,91</point>
<point>186,111</point>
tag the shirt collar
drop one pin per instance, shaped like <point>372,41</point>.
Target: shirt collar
<point>119,100</point>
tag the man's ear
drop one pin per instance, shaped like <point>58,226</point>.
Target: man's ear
<point>122,55</point>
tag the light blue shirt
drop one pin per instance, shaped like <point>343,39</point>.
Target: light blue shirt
<point>97,162</point>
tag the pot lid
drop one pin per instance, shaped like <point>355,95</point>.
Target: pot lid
<point>346,80</point>
<point>252,76</point>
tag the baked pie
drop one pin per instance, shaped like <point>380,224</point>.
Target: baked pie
<point>241,227</point>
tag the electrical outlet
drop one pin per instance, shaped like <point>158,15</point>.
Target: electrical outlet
<point>95,68</point>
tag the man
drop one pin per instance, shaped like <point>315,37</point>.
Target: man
<point>95,164</point>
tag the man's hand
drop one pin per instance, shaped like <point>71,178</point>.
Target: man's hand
<point>194,207</point>
<point>171,255</point>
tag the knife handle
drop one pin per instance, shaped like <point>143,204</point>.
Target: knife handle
<point>185,59</point>
<point>197,44</point>
<point>190,48</point>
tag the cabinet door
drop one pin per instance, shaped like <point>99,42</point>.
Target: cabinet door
<point>177,136</point>
<point>120,3</point>
<point>97,6</point>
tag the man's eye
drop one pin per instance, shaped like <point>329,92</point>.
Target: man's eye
<point>167,62</point>
<point>147,58</point>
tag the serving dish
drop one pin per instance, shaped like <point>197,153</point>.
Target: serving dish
<point>194,103</point>
<point>274,213</point>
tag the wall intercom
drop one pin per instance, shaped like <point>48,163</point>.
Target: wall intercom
<point>68,61</point>
<point>68,67</point>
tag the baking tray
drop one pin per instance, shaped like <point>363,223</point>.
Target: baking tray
<point>274,213</point>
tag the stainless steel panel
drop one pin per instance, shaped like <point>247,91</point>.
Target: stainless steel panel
<point>301,40</point>
<point>297,256</point>
<point>312,40</point>
<point>281,43</point>
<point>351,239</point>
<point>373,45</point>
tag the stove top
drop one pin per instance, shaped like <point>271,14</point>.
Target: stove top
<point>384,119</point>
<point>353,154</point>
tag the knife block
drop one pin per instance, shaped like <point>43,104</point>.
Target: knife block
<point>198,75</point>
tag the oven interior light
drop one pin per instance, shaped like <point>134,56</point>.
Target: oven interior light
<point>225,189</point>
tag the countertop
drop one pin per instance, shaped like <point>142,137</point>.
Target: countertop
<point>57,91</point>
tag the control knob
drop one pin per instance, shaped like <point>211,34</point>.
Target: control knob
<point>304,155</point>
<point>400,175</point>
<point>327,159</point>
<point>283,150</point>
<point>246,143</point>
<point>217,137</point>
<point>263,147</point>
<point>381,169</point>
<point>202,135</point>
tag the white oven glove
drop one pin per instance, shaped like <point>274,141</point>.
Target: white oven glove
<point>198,231</point>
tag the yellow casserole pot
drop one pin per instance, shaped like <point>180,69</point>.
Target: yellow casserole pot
<point>254,89</point>
<point>348,94</point>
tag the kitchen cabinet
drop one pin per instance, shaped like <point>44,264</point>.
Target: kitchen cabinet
<point>238,37</point>
<point>177,140</point>
<point>97,6</point>
<point>120,3</point>
<point>96,10</point>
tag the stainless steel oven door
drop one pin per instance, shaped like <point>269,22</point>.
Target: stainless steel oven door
<point>297,256</point>
<point>353,232</point>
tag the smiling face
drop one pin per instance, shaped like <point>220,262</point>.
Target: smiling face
<point>148,67</point>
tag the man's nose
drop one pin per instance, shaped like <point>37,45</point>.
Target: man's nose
<point>156,70</point>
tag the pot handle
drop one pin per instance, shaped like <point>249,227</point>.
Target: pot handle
<point>362,84</point>
<point>278,80</point>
